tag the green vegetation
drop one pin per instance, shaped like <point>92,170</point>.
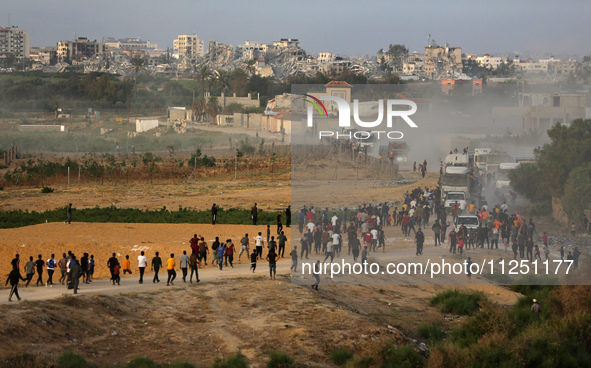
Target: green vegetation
<point>280,360</point>
<point>562,170</point>
<point>457,302</point>
<point>401,357</point>
<point>142,362</point>
<point>46,190</point>
<point>69,359</point>
<point>514,337</point>
<point>340,356</point>
<point>232,361</point>
<point>432,332</point>
<point>181,365</point>
<point>18,218</point>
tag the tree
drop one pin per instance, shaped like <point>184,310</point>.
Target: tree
<point>198,108</point>
<point>203,75</point>
<point>577,193</point>
<point>249,67</point>
<point>137,66</point>
<point>212,108</point>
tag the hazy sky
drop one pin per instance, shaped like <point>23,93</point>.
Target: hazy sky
<point>343,27</point>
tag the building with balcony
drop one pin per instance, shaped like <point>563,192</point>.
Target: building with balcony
<point>15,41</point>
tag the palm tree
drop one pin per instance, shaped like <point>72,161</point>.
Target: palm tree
<point>137,65</point>
<point>212,108</point>
<point>198,108</point>
<point>203,75</point>
<point>223,80</point>
<point>249,67</point>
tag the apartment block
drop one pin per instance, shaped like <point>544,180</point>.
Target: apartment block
<point>79,49</point>
<point>15,41</point>
<point>188,47</point>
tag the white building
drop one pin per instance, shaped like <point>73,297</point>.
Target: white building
<point>130,44</point>
<point>15,41</point>
<point>326,57</point>
<point>489,61</point>
<point>188,46</point>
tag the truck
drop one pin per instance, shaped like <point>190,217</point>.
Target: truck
<point>452,197</point>
<point>456,180</point>
<point>398,151</point>
<point>456,159</point>
<point>503,183</point>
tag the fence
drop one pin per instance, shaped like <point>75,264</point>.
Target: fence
<point>331,162</point>
<point>10,155</point>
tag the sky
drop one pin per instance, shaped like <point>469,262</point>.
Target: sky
<point>347,28</point>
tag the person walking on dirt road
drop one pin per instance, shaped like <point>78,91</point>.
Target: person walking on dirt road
<point>156,265</point>
<point>170,268</point>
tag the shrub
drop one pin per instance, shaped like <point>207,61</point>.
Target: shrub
<point>340,356</point>
<point>280,360</point>
<point>69,359</point>
<point>47,190</point>
<point>457,302</point>
<point>364,362</point>
<point>401,357</point>
<point>537,209</point>
<point>141,362</point>
<point>181,365</point>
<point>432,332</point>
<point>232,361</point>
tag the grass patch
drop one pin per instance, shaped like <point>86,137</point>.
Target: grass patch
<point>232,361</point>
<point>401,357</point>
<point>232,216</point>
<point>457,302</point>
<point>69,359</point>
<point>141,362</point>
<point>280,360</point>
<point>432,332</point>
<point>340,356</point>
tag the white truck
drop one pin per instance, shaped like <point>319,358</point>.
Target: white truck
<point>456,183</point>
<point>503,182</point>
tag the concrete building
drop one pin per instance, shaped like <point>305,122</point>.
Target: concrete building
<point>442,60</point>
<point>252,49</point>
<point>547,110</point>
<point>326,57</point>
<point>130,44</point>
<point>43,55</point>
<point>188,47</point>
<point>489,61</point>
<point>79,49</point>
<point>285,43</point>
<point>15,41</point>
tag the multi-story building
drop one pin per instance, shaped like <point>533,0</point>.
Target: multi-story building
<point>326,57</point>
<point>43,55</point>
<point>15,41</point>
<point>130,44</point>
<point>79,49</point>
<point>188,47</point>
<point>442,60</point>
<point>252,50</point>
<point>489,61</point>
<point>285,43</point>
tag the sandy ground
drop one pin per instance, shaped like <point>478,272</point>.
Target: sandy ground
<point>102,240</point>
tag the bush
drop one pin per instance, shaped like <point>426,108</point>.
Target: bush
<point>69,359</point>
<point>364,362</point>
<point>402,357</point>
<point>537,209</point>
<point>432,332</point>
<point>142,362</point>
<point>457,302</point>
<point>181,365</point>
<point>280,360</point>
<point>47,190</point>
<point>232,361</point>
<point>340,356</point>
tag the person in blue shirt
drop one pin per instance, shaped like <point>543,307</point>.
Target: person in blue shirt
<point>220,254</point>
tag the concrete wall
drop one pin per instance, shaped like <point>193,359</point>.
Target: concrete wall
<point>42,128</point>
<point>145,125</point>
<point>224,100</point>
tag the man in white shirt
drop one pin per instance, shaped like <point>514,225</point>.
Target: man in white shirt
<point>311,226</point>
<point>336,243</point>
<point>374,239</point>
<point>141,263</point>
<point>258,242</point>
<point>184,265</point>
<point>333,219</point>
